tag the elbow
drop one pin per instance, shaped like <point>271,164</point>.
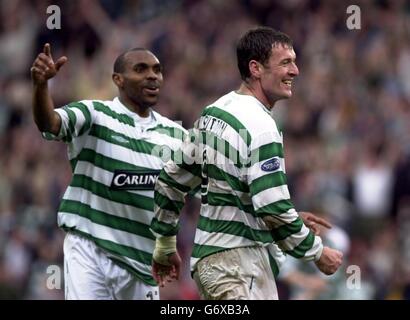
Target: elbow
<point>42,126</point>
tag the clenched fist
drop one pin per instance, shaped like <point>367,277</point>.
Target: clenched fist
<point>44,67</point>
<point>329,261</point>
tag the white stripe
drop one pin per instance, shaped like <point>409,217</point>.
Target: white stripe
<point>215,239</point>
<point>167,216</point>
<point>181,175</point>
<point>110,207</point>
<point>267,137</point>
<point>255,171</point>
<point>153,137</point>
<point>169,192</point>
<point>270,195</point>
<point>218,159</point>
<point>294,240</point>
<point>115,151</point>
<point>106,233</point>
<point>279,220</point>
<point>228,213</point>
<point>222,187</point>
<point>311,253</point>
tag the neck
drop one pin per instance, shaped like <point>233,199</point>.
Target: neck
<point>142,111</point>
<point>251,90</point>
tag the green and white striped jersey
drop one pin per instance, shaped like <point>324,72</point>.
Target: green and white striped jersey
<point>115,157</point>
<point>236,154</point>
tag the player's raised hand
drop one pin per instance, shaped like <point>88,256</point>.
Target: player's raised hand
<point>44,67</point>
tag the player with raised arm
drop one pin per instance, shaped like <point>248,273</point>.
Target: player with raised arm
<point>116,150</point>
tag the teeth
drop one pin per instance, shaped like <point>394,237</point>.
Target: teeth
<point>288,82</point>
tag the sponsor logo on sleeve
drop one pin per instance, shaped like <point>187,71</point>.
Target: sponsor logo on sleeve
<point>271,165</point>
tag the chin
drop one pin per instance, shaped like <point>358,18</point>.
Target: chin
<point>150,102</point>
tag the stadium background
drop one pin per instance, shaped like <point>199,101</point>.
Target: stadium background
<point>347,132</point>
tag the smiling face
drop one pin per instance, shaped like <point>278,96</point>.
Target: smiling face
<point>276,76</point>
<point>140,80</point>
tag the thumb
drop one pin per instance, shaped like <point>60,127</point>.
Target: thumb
<point>60,62</point>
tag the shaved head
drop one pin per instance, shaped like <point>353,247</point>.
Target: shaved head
<point>121,61</point>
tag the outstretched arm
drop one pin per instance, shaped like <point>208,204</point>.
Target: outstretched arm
<point>43,69</point>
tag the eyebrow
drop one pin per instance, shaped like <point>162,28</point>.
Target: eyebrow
<point>288,59</point>
<point>146,65</point>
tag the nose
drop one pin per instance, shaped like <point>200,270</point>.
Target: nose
<point>151,74</point>
<point>294,70</point>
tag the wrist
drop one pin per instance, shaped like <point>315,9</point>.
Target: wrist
<point>37,84</point>
<point>164,246</point>
<point>319,253</point>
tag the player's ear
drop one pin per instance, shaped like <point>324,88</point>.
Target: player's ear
<point>118,80</point>
<point>255,69</point>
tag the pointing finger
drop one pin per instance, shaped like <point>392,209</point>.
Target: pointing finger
<point>323,222</point>
<point>47,49</point>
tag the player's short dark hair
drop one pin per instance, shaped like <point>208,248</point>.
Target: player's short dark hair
<point>256,44</point>
<point>120,62</point>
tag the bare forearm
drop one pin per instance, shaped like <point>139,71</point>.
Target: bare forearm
<point>43,110</point>
<point>43,69</point>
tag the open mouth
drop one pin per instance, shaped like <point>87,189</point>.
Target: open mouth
<point>151,90</point>
<point>287,83</point>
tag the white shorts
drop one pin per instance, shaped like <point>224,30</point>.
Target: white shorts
<point>236,274</point>
<point>90,275</point>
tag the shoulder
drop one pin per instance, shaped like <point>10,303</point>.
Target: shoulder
<point>245,112</point>
<point>93,104</point>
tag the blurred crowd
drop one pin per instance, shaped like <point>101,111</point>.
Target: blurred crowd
<point>346,128</point>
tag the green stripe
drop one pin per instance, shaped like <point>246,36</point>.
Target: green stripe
<point>233,122</point>
<point>120,250</point>
<point>73,163</point>
<point>121,117</point>
<point>303,247</point>
<point>278,207</point>
<point>194,168</point>
<point>267,181</point>
<point>222,199</point>
<point>234,228</point>
<point>273,265</point>
<point>102,218</point>
<point>106,163</point>
<point>48,135</point>
<point>169,131</point>
<point>172,183</point>
<point>215,173</point>
<point>167,204</point>
<point>201,251</point>
<point>140,146</point>
<point>265,152</point>
<point>120,196</point>
<point>72,120</point>
<point>87,115</point>
<point>223,147</point>
<point>164,229</point>
<point>287,230</point>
